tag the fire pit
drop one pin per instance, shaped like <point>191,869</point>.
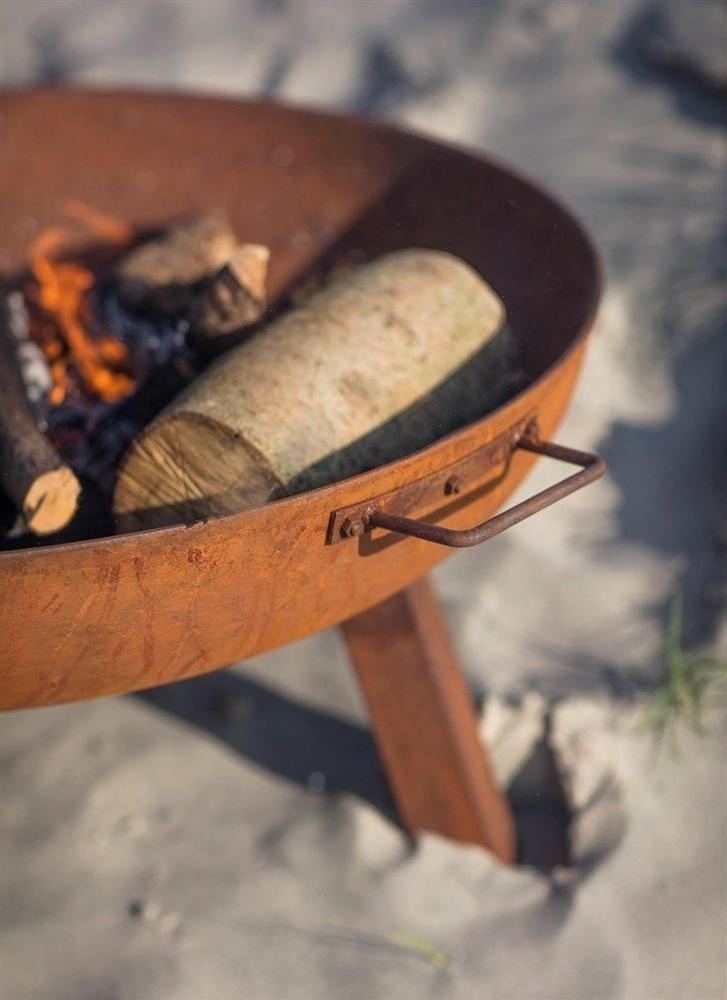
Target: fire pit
<point>119,614</point>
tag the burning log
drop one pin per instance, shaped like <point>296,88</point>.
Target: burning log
<point>301,391</point>
<point>197,270</point>
<point>34,477</point>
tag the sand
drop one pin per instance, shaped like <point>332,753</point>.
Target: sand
<point>233,836</point>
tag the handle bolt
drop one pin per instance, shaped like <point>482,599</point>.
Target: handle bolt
<point>352,527</point>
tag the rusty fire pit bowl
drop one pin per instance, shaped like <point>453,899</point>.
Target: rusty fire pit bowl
<point>122,613</point>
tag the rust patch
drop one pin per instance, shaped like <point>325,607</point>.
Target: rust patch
<point>147,643</point>
<point>139,569</point>
<point>48,604</point>
<point>109,576</point>
<point>198,557</point>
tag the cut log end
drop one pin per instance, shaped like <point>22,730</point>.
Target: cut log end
<point>188,468</point>
<point>249,264</point>
<point>51,501</point>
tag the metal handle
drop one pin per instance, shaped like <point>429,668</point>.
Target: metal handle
<point>592,468</point>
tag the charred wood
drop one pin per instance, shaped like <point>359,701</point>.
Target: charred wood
<point>42,487</point>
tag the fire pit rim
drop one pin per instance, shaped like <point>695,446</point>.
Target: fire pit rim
<point>121,613</point>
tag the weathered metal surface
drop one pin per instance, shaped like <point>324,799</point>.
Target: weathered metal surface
<point>124,613</point>
<point>492,462</point>
<point>481,470</point>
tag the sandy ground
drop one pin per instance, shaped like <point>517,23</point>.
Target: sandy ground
<point>232,836</point>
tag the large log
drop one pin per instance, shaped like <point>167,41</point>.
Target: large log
<point>304,390</point>
<point>42,487</point>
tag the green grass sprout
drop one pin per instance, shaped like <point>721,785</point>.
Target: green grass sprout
<point>689,681</point>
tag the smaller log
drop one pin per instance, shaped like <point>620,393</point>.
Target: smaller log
<point>42,487</point>
<point>234,297</point>
<point>196,270</point>
<point>160,276</point>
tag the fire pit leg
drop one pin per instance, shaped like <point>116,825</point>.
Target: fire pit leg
<point>424,722</point>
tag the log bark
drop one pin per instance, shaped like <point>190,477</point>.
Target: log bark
<point>304,389</point>
<point>42,487</point>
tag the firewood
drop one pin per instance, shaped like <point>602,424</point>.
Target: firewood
<point>234,297</point>
<point>306,387</point>
<point>196,270</point>
<point>43,488</point>
<point>160,275</point>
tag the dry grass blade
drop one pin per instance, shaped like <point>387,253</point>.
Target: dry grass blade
<point>398,942</point>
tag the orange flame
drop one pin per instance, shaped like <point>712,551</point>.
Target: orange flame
<point>61,292</point>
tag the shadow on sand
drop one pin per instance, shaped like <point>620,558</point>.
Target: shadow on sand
<point>331,755</point>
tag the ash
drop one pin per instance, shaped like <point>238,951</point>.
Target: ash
<point>34,369</point>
